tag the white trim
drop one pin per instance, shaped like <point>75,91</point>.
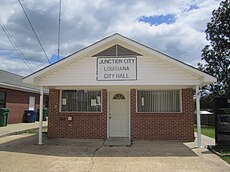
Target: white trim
<point>129,92</point>
<point>164,57</point>
<point>86,112</point>
<point>180,102</point>
<point>79,54</point>
<point>20,88</point>
<point>60,101</point>
<point>198,117</point>
<point>32,102</point>
<point>108,113</point>
<point>128,43</point>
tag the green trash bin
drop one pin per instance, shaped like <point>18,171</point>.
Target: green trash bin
<point>4,117</point>
<point>45,112</point>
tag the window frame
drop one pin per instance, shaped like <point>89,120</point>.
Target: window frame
<point>180,102</point>
<point>5,98</point>
<point>82,112</point>
<point>32,101</point>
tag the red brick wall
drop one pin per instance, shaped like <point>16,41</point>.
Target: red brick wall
<point>17,102</point>
<point>164,126</point>
<point>82,126</point>
<point>144,126</point>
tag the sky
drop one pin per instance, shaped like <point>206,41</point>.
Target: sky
<point>176,28</point>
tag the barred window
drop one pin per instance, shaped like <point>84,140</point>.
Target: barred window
<point>158,101</point>
<point>81,101</point>
<point>2,99</point>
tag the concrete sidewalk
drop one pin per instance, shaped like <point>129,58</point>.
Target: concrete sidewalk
<point>11,129</point>
<point>205,140</point>
<point>21,153</point>
<point>92,155</point>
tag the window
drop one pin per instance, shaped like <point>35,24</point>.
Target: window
<point>119,97</point>
<point>158,101</point>
<point>2,99</point>
<point>81,101</point>
<point>31,103</point>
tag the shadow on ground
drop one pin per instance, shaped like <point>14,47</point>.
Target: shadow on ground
<point>27,143</point>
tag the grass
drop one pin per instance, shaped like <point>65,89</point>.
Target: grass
<point>32,131</point>
<point>226,158</point>
<point>35,131</point>
<point>223,152</point>
<point>207,131</point>
<point>210,132</point>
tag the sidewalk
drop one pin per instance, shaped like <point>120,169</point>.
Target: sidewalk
<point>91,155</point>
<point>205,140</point>
<point>11,129</point>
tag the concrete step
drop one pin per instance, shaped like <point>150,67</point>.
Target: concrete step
<point>117,141</point>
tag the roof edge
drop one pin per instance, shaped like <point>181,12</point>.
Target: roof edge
<point>207,77</point>
<point>19,88</point>
<point>172,59</point>
<point>84,48</point>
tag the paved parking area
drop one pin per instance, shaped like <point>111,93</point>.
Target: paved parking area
<point>21,153</point>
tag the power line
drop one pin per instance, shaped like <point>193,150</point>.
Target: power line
<point>59,28</point>
<point>16,47</point>
<point>34,31</point>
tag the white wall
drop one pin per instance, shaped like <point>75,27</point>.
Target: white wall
<point>150,71</point>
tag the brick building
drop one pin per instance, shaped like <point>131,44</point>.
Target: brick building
<point>117,87</point>
<point>17,96</point>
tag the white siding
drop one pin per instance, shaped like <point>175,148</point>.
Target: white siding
<point>155,72</point>
<point>150,71</point>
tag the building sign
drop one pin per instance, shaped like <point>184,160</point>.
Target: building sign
<point>116,68</point>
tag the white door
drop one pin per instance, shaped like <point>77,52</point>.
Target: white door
<point>32,103</point>
<point>119,114</point>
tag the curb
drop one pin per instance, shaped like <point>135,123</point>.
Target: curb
<point>215,152</point>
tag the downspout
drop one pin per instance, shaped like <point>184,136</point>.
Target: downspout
<point>40,116</point>
<point>198,117</point>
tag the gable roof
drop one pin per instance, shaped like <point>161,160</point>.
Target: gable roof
<point>117,39</point>
<point>14,81</point>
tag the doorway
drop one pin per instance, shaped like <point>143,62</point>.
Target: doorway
<point>119,114</point>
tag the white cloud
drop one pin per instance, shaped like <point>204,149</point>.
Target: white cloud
<point>84,22</point>
<point>16,65</point>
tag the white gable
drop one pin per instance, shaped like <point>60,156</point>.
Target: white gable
<point>153,68</point>
<point>150,71</point>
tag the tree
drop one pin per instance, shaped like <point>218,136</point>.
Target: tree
<point>217,54</point>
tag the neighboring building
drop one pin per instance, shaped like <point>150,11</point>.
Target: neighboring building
<point>206,118</point>
<point>17,96</point>
<point>120,88</point>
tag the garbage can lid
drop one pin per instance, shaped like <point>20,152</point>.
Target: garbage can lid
<point>4,110</point>
<point>28,111</point>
